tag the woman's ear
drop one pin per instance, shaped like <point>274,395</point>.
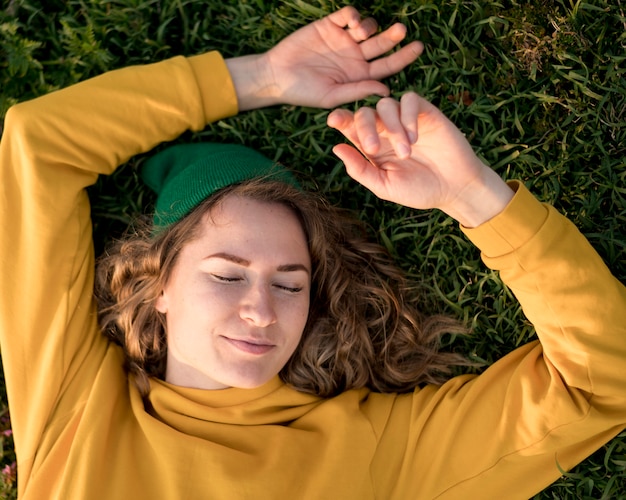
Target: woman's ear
<point>161,303</point>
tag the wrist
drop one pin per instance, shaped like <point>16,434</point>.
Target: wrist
<point>481,200</point>
<point>253,81</point>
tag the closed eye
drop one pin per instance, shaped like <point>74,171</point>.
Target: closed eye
<point>289,288</point>
<point>225,279</point>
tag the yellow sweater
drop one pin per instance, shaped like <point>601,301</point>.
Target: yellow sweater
<point>81,431</point>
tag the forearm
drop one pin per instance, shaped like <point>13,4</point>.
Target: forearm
<point>577,307</point>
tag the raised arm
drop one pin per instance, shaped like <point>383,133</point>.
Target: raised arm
<point>52,148</point>
<point>544,406</point>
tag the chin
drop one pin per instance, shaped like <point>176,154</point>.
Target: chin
<point>248,382</point>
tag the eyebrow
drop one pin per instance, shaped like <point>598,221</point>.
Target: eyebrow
<point>284,268</point>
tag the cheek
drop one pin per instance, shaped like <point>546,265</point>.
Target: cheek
<point>299,317</point>
<point>304,314</point>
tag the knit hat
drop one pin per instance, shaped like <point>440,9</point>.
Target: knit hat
<point>184,175</point>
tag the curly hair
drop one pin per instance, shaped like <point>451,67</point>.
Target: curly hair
<point>363,329</point>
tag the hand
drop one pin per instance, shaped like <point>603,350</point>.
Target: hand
<point>324,64</point>
<point>416,157</point>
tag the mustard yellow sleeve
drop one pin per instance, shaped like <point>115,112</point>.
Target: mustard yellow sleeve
<point>54,147</point>
<point>548,404</point>
<point>576,305</point>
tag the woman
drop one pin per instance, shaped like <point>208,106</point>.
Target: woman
<point>85,429</point>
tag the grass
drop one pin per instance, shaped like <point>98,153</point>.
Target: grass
<point>538,87</point>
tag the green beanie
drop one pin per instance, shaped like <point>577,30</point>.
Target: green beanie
<point>184,175</point>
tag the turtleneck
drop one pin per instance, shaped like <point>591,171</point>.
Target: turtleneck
<point>188,409</point>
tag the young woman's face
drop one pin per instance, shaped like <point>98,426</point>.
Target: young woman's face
<point>238,298</point>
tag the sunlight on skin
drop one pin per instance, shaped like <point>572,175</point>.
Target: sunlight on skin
<point>238,299</point>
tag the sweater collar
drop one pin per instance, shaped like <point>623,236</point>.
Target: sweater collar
<point>188,410</point>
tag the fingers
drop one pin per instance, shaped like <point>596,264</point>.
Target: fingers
<point>365,29</point>
<point>345,17</point>
<point>357,167</point>
<point>368,170</point>
<point>409,110</point>
<point>396,61</point>
<point>349,18</point>
<point>343,121</point>
<point>389,113</point>
<point>392,121</point>
<point>383,42</point>
<point>387,122</point>
<point>360,128</point>
<point>353,91</point>
<point>366,129</point>
<point>362,32</point>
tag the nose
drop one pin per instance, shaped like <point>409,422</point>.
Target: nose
<point>257,307</point>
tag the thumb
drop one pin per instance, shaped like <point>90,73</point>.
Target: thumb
<point>343,93</point>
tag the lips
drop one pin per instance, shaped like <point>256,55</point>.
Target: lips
<point>250,346</point>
